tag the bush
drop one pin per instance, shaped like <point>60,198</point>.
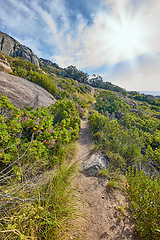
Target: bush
<point>144,195</point>
<point>41,133</point>
<point>110,135</point>
<point>32,73</point>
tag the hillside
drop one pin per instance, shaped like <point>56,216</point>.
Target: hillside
<point>45,135</point>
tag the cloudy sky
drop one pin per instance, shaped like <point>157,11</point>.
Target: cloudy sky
<point>117,39</point>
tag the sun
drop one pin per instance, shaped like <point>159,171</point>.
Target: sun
<point>126,38</point>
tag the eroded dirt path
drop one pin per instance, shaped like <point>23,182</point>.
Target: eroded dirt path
<point>105,211</point>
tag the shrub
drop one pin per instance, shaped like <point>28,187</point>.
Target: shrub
<point>144,195</point>
<point>32,73</point>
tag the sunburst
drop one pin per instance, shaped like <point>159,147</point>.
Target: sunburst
<point>127,37</point>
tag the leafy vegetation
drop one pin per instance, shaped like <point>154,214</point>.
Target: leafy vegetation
<point>32,73</point>
<point>32,142</point>
<point>97,81</point>
<point>144,193</point>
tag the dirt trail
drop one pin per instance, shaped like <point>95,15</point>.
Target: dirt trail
<point>105,211</point>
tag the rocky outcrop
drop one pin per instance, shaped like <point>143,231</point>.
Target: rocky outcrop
<point>22,93</point>
<point>91,89</point>
<point>11,47</point>
<point>5,66</point>
<point>130,101</point>
<point>97,162</point>
<point>48,63</point>
<point>151,97</point>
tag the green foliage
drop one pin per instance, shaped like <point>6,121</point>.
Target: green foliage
<point>135,135</point>
<point>144,195</point>
<point>110,135</point>
<point>70,87</point>
<point>32,73</point>
<point>115,177</point>
<point>143,98</point>
<point>43,133</point>
<point>109,102</point>
<point>74,73</point>
<point>97,81</point>
<point>88,99</point>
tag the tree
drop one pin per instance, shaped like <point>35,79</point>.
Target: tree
<point>96,81</point>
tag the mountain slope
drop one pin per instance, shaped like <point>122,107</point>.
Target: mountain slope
<point>12,47</point>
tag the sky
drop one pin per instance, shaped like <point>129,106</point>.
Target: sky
<point>116,39</point>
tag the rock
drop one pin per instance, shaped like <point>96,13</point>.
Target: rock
<point>48,63</point>
<point>97,162</point>
<point>156,116</point>
<point>150,97</point>
<point>11,47</point>
<point>91,89</point>
<point>4,66</point>
<point>22,93</point>
<point>129,101</point>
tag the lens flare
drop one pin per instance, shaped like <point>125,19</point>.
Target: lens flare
<point>126,37</point>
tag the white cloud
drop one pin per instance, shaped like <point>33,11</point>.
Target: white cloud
<point>88,46</point>
<point>92,47</point>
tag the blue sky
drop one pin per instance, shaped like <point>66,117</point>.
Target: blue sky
<point>117,39</point>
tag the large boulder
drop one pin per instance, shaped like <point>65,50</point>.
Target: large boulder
<point>5,66</point>
<point>94,164</point>
<point>12,47</point>
<point>22,93</point>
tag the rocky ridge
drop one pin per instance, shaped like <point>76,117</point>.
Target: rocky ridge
<point>12,47</point>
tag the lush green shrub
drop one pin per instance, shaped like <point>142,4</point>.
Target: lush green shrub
<point>144,195</point>
<point>108,101</point>
<point>41,133</point>
<point>112,136</point>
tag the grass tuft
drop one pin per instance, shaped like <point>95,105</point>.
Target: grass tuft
<point>48,215</point>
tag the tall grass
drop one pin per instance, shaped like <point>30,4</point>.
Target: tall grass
<point>88,99</point>
<point>47,213</point>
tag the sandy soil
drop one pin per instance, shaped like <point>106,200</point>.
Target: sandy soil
<point>105,211</point>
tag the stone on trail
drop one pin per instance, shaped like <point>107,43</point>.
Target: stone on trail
<point>94,164</point>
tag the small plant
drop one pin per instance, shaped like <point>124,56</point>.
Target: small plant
<point>115,177</point>
<point>121,209</point>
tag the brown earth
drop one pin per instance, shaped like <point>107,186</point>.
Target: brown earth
<point>104,211</point>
